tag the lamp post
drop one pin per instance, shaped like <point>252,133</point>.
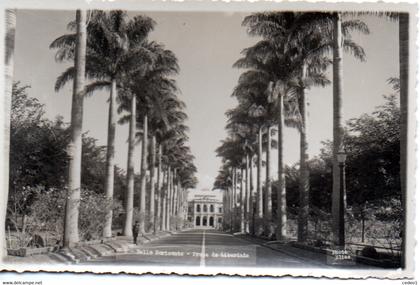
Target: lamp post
<point>341,159</point>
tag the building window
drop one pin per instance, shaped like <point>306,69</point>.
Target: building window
<point>198,208</point>
<point>211,222</point>
<point>204,221</point>
<point>211,208</point>
<point>197,221</point>
<point>220,209</point>
<point>205,208</point>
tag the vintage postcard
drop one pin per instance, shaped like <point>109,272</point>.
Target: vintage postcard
<point>203,138</point>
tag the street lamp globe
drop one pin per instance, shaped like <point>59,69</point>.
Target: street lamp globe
<point>341,156</point>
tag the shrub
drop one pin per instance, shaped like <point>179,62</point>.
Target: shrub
<point>47,213</point>
<point>319,243</point>
<point>369,251</point>
<point>92,211</point>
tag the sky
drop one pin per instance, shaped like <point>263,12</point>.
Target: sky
<point>206,45</point>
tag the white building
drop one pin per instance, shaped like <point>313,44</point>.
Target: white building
<point>205,209</point>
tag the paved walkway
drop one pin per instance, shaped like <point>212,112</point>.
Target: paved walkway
<point>204,248</point>
<point>197,247</point>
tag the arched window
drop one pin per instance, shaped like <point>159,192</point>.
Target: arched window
<point>212,208</point>
<point>205,208</point>
<point>204,221</point>
<point>198,208</point>
<point>197,221</point>
<point>211,222</point>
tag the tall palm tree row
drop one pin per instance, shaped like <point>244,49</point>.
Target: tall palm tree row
<point>292,55</point>
<point>138,74</point>
<point>115,45</point>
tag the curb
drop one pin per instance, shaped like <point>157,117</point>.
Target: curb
<point>86,251</point>
<point>268,243</point>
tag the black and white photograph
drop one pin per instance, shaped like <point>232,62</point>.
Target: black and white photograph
<point>262,139</point>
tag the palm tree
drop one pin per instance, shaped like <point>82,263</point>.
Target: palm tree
<point>251,93</point>
<point>152,217</point>
<point>232,156</point>
<point>166,111</point>
<point>403,86</point>
<point>114,47</point>
<point>155,93</point>
<point>71,232</point>
<point>167,119</point>
<point>143,169</point>
<point>173,146</point>
<point>404,44</point>
<point>183,165</point>
<point>181,158</point>
<point>166,126</point>
<point>339,32</point>
<point>248,114</point>
<point>403,19</point>
<point>281,90</point>
<point>237,150</point>
<point>129,195</point>
<point>165,138</point>
<point>223,181</point>
<point>10,15</point>
<point>338,127</point>
<point>282,34</point>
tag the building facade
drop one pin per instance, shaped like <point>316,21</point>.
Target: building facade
<point>205,210</point>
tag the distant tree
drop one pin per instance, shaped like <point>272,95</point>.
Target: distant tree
<point>38,146</point>
<point>39,161</point>
<point>373,146</point>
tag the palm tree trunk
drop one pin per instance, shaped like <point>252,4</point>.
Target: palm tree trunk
<point>71,231</point>
<point>259,176</point>
<point>143,176</point>
<point>180,206</point>
<point>174,193</point>
<point>404,22</point>
<point>152,185</point>
<point>110,155</point>
<point>281,189</point>
<point>235,198</point>
<point>168,200</point>
<point>338,130</point>
<point>164,205</point>
<point>242,209</point>
<point>267,201</point>
<point>175,198</point>
<point>229,193</point>
<point>129,195</point>
<point>232,203</point>
<point>10,15</point>
<point>247,191</point>
<point>251,195</point>
<point>159,190</point>
<point>304,171</point>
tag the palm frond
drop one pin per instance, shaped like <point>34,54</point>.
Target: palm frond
<point>356,50</point>
<point>97,86</point>
<point>64,77</point>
